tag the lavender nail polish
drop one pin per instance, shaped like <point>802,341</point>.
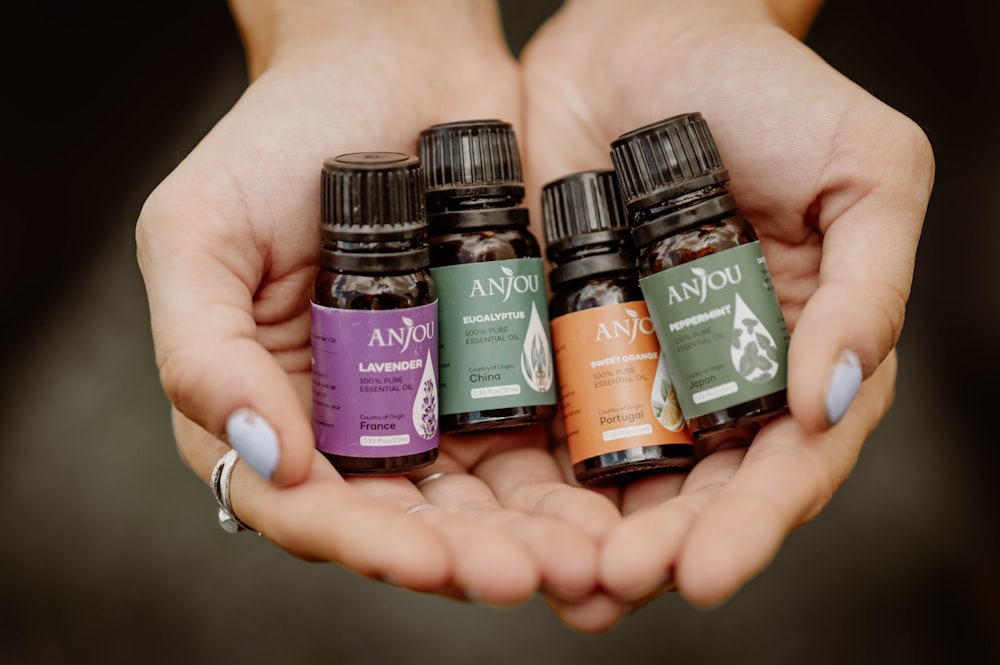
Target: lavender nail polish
<point>255,440</point>
<point>845,381</point>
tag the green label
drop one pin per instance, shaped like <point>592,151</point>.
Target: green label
<point>720,326</point>
<point>495,345</point>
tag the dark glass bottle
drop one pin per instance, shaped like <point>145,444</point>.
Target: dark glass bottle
<point>374,318</point>
<point>622,419</point>
<point>496,359</point>
<point>703,276</point>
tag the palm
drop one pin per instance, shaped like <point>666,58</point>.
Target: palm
<point>779,115</point>
<point>507,522</point>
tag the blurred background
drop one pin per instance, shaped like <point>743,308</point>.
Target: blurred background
<point>110,549</point>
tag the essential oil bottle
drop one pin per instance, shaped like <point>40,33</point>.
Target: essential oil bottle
<point>496,354</point>
<point>374,318</point>
<point>621,415</point>
<point>703,276</point>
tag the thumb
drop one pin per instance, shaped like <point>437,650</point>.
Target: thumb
<point>213,365</point>
<point>854,318</point>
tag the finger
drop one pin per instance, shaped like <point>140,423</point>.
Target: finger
<point>568,523</point>
<point>327,519</point>
<point>489,564</point>
<point>639,556</point>
<point>566,558</point>
<point>787,477</point>
<point>598,613</point>
<point>210,311</point>
<point>871,221</point>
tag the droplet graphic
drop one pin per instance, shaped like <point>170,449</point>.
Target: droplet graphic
<point>663,399</point>
<point>536,354</point>
<point>753,351</point>
<point>425,402</point>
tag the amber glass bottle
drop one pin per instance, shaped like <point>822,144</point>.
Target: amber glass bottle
<point>496,354</point>
<point>622,418</point>
<point>703,276</point>
<point>374,318</point>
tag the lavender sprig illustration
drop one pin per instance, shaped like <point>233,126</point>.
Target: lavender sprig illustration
<point>428,408</point>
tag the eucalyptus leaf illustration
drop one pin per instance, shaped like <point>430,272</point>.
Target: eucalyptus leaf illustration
<point>536,354</point>
<point>507,271</point>
<point>407,321</point>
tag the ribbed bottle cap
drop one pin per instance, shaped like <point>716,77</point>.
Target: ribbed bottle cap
<point>582,204</point>
<point>665,160</point>
<point>373,196</point>
<point>470,158</point>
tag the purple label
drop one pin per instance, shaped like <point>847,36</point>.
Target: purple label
<point>375,381</point>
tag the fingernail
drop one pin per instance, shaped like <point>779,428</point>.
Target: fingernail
<point>843,386</point>
<point>255,440</point>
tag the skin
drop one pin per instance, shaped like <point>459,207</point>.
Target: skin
<point>835,182</point>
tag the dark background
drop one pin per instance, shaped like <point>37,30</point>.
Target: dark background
<point>110,550</point>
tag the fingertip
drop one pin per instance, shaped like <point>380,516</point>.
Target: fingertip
<point>727,549</point>
<point>282,460</point>
<point>842,386</point>
<point>594,615</point>
<point>636,557</point>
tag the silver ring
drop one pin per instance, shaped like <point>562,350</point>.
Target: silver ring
<point>428,478</point>
<point>221,476</point>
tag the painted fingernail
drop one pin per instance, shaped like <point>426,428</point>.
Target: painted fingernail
<point>843,386</point>
<point>255,440</point>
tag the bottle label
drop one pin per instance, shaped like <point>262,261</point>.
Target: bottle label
<point>375,381</point>
<point>496,350</point>
<point>720,326</point>
<point>613,384</point>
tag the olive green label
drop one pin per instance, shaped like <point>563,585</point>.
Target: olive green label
<point>495,346</point>
<point>720,326</point>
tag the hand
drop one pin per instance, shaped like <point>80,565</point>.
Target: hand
<point>228,245</point>
<point>835,183</point>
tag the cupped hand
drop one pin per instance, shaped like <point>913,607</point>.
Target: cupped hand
<point>228,247</point>
<point>836,184</point>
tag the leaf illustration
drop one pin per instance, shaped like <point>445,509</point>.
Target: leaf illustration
<point>407,321</point>
<point>699,272</point>
<point>767,347</point>
<point>634,315</point>
<point>507,271</point>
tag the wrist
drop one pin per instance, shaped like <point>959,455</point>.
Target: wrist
<point>273,31</point>
<point>793,16</point>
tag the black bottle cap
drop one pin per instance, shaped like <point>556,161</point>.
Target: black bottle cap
<point>581,209</point>
<point>586,230</point>
<point>666,160</point>
<point>372,197</point>
<point>469,159</point>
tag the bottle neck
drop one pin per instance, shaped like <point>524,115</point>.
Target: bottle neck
<point>591,255</point>
<point>374,256</point>
<point>663,218</point>
<point>473,198</point>
<point>471,213</point>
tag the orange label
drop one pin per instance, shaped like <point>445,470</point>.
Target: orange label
<point>613,382</point>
